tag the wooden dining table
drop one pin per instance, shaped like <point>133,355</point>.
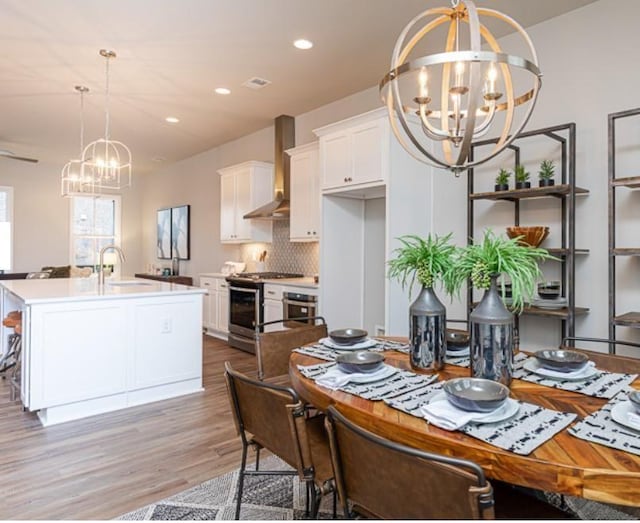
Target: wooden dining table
<point>564,464</point>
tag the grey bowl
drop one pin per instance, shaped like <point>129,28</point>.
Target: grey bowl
<point>561,360</point>
<point>634,398</point>
<point>475,394</point>
<point>457,338</point>
<point>348,336</point>
<point>360,361</point>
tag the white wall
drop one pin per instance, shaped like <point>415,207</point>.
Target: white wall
<point>41,216</point>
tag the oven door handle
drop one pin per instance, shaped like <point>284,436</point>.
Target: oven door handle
<point>301,303</point>
<point>244,289</point>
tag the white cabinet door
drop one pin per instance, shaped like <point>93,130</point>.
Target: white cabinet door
<point>366,152</point>
<point>243,205</point>
<point>273,312</point>
<point>336,160</point>
<point>243,188</point>
<point>305,194</point>
<point>209,307</point>
<point>227,207</point>
<point>223,307</point>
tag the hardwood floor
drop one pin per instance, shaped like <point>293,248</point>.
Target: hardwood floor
<point>106,465</point>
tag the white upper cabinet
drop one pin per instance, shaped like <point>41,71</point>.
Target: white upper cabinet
<point>305,193</point>
<point>355,152</point>
<point>243,188</point>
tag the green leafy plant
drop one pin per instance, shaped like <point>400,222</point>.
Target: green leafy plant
<point>496,255</point>
<point>547,170</point>
<point>521,174</point>
<point>503,177</point>
<point>427,260</point>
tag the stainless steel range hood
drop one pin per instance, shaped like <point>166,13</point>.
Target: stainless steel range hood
<point>285,138</point>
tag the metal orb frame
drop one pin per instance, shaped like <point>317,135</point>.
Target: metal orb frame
<point>458,127</point>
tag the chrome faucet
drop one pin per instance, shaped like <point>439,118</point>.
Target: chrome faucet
<point>101,261</point>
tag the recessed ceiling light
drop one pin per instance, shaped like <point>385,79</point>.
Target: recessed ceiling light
<point>303,44</point>
<point>172,119</point>
<point>158,159</point>
<point>222,90</point>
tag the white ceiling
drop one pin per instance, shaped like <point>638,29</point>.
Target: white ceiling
<point>173,53</point>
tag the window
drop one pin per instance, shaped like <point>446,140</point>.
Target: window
<point>6,228</point>
<point>95,223</point>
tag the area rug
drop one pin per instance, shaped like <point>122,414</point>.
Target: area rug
<point>283,498</point>
<point>264,498</point>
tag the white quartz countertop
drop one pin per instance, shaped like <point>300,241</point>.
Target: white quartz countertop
<point>307,282</point>
<point>83,289</point>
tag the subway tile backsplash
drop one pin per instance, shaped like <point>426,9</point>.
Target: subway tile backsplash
<point>283,255</point>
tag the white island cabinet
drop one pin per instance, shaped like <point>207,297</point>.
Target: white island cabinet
<point>90,349</point>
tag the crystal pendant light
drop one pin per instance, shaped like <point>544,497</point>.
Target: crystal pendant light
<point>75,178</point>
<point>109,161</point>
<point>439,104</point>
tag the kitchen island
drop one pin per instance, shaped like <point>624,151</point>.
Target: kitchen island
<point>89,349</point>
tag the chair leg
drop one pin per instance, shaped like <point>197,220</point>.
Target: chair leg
<point>241,480</point>
<point>316,498</point>
<point>257,458</point>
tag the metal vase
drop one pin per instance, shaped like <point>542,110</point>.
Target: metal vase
<point>427,331</point>
<point>492,340</point>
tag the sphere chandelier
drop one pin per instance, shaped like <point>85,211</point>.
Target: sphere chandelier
<point>456,96</point>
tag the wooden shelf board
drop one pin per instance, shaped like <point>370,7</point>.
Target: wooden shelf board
<point>631,182</point>
<point>559,251</point>
<point>534,192</point>
<point>629,319</point>
<point>554,313</point>
<point>626,251</point>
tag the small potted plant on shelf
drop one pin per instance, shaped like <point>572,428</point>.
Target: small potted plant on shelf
<point>491,323</point>
<point>546,173</point>
<point>428,261</point>
<point>502,180</point>
<point>522,177</point>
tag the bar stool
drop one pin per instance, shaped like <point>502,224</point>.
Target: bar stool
<point>16,373</point>
<point>13,320</point>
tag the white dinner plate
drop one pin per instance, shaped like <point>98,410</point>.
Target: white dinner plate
<point>532,365</point>
<point>365,344</point>
<point>383,373</point>
<point>620,414</point>
<point>507,410</point>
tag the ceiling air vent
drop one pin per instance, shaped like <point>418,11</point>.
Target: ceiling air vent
<point>256,83</point>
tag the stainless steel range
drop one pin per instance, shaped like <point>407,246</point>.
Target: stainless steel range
<point>246,305</point>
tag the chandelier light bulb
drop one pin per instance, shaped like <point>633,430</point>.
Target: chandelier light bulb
<point>464,99</point>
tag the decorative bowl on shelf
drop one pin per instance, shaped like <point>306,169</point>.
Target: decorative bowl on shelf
<point>549,290</point>
<point>532,236</point>
<point>561,360</point>
<point>360,361</point>
<point>475,394</point>
<point>348,336</point>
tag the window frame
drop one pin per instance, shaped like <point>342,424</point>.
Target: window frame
<point>117,226</point>
<point>10,214</point>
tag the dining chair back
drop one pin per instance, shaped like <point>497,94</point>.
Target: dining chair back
<point>569,342</point>
<point>273,349</point>
<point>382,479</point>
<point>273,417</point>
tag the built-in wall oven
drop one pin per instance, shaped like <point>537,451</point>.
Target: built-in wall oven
<point>246,306</point>
<point>298,305</point>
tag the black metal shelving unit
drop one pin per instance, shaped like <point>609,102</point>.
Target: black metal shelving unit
<point>631,318</point>
<point>565,192</point>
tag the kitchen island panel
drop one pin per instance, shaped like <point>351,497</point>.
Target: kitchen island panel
<point>170,348</point>
<point>76,353</point>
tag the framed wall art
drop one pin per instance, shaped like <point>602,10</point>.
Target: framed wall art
<point>180,232</point>
<point>164,234</point>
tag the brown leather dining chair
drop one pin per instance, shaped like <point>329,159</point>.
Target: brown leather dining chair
<point>273,417</point>
<point>386,480</point>
<point>273,349</point>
